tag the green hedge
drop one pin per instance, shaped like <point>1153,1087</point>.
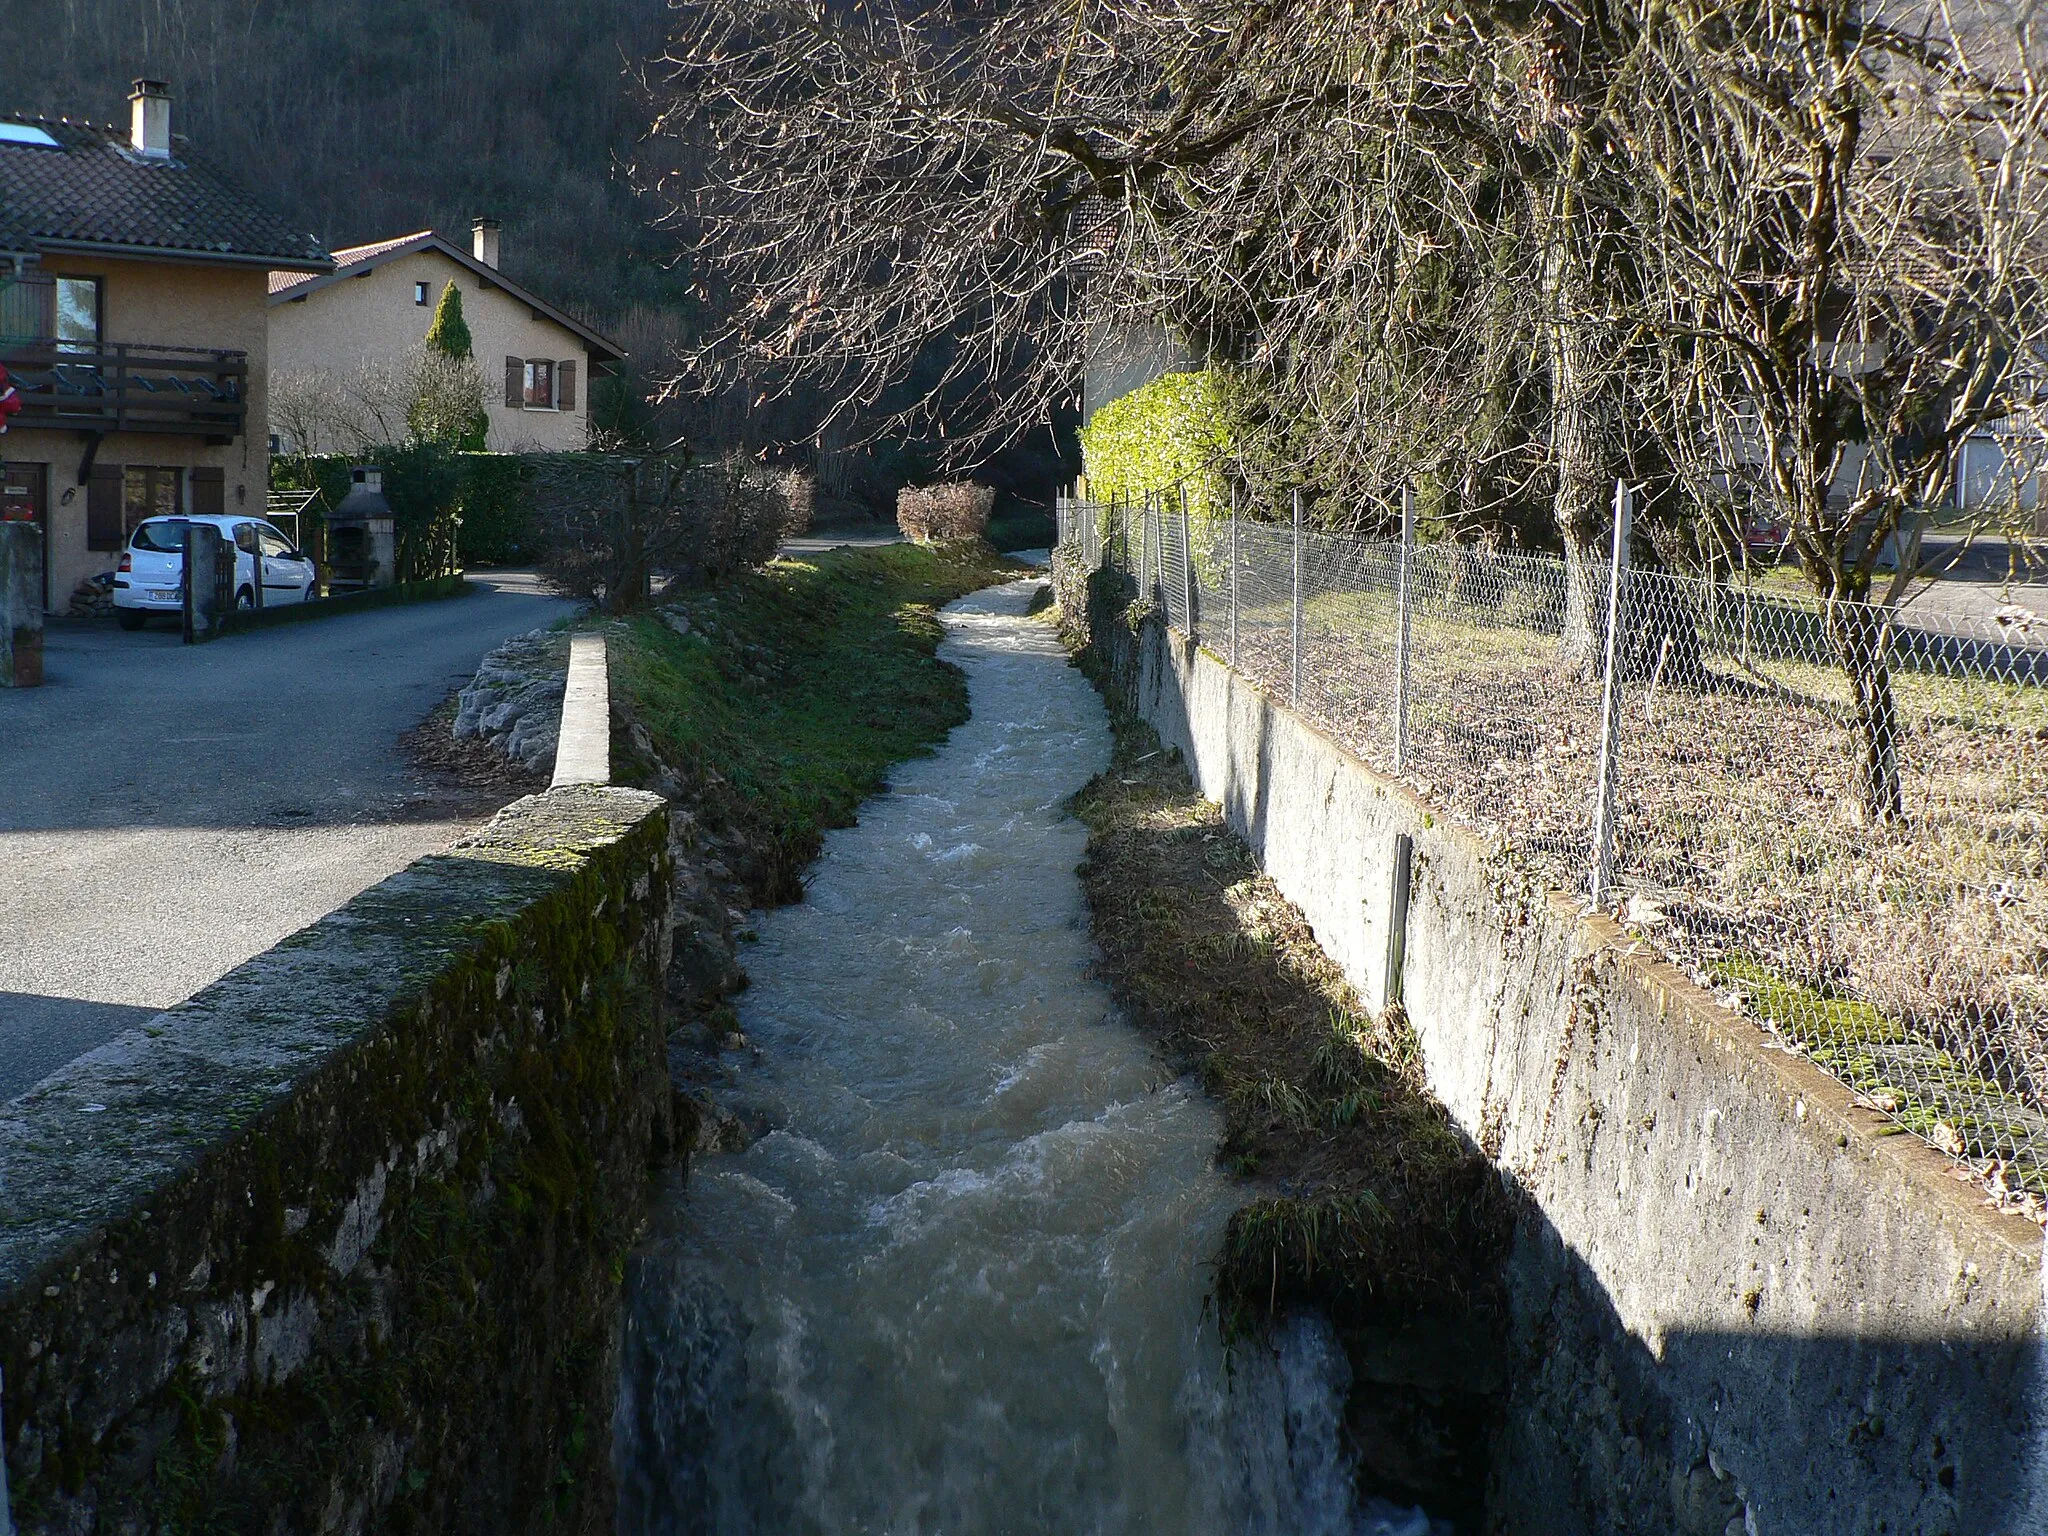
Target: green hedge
<point>1173,430</point>
<point>427,484</point>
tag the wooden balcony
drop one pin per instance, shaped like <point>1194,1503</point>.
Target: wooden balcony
<point>130,387</point>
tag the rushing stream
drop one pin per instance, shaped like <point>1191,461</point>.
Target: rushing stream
<point>957,1286</point>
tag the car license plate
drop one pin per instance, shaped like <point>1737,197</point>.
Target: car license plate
<point>166,595</point>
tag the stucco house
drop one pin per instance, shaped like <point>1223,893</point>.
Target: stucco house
<point>133,319</point>
<point>368,317</point>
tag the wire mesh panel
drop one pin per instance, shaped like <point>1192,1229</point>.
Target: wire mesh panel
<point>1834,816</point>
<point>1503,725</point>
<point>1169,580</point>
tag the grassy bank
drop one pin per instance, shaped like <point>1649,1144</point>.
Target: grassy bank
<point>1371,1202</point>
<point>785,696</point>
<point>1367,1203</point>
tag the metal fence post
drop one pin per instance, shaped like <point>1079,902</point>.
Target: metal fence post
<point>1402,559</point>
<point>1233,576</point>
<point>1294,693</point>
<point>1187,563</point>
<point>1151,537</point>
<point>1610,700</point>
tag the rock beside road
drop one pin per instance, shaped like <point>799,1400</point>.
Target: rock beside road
<point>515,700</point>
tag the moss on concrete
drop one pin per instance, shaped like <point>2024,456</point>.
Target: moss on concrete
<point>1924,1088</point>
<point>341,1248</point>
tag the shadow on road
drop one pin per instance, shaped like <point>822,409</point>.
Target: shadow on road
<point>172,810</point>
<point>43,1033</point>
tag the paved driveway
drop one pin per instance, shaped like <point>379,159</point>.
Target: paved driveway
<point>167,811</point>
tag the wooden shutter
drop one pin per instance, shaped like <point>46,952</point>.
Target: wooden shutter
<point>209,491</point>
<point>515,382</point>
<point>565,385</point>
<point>103,495</point>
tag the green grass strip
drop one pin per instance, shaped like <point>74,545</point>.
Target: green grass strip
<point>798,686</point>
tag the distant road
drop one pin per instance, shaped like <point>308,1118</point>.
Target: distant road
<point>857,536</point>
<point>167,811</point>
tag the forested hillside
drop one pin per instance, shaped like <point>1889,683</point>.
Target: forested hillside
<point>368,118</point>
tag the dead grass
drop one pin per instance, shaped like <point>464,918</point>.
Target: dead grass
<point>1741,840</point>
<point>1371,1204</point>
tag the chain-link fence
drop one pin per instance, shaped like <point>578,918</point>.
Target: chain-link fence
<point>1833,815</point>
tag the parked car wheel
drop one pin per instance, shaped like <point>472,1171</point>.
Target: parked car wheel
<point>245,598</point>
<point>130,619</point>
<point>312,591</point>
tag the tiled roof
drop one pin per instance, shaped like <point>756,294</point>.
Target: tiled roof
<point>92,190</point>
<point>357,260</point>
<point>349,256</point>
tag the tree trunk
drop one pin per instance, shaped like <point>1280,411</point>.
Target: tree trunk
<point>1576,441</point>
<point>1581,486</point>
<point>1861,635</point>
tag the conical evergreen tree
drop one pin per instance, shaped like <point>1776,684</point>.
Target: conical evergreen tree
<point>449,332</point>
<point>448,336</point>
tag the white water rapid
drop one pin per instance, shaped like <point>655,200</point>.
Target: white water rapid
<point>957,1287</point>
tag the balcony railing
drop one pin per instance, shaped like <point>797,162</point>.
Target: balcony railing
<point>130,387</point>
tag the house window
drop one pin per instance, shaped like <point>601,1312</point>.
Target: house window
<point>148,491</point>
<point>419,294</point>
<point>40,307</point>
<point>77,327</point>
<point>539,394</point>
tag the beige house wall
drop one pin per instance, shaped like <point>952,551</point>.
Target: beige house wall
<point>374,319</point>
<point>164,304</point>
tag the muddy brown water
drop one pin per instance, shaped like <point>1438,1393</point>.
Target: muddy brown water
<point>957,1285</point>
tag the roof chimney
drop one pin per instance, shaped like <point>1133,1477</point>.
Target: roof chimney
<point>150,119</point>
<point>483,242</point>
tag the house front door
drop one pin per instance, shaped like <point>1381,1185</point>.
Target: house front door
<point>25,498</point>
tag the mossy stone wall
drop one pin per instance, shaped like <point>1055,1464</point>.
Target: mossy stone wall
<point>336,1245</point>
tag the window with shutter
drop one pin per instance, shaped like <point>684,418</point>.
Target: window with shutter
<point>103,497</point>
<point>209,491</point>
<point>565,384</point>
<point>147,491</point>
<point>515,382</point>
<point>28,308</point>
<point>540,384</point>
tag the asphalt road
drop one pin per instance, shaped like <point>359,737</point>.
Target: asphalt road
<point>167,811</point>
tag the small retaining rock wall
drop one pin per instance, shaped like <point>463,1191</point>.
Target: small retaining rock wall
<point>335,1245</point>
<point>515,700</point>
<point>1740,1306</point>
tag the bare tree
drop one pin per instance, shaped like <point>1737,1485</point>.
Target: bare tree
<point>1507,254</point>
<point>884,186</point>
<point>1846,219</point>
<point>1316,200</point>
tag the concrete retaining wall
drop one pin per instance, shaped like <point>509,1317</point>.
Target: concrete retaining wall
<point>335,1245</point>
<point>1740,1304</point>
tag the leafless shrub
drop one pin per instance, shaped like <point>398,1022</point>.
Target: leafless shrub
<point>740,515</point>
<point>799,491</point>
<point>958,509</point>
<point>613,524</point>
<point>429,397</point>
